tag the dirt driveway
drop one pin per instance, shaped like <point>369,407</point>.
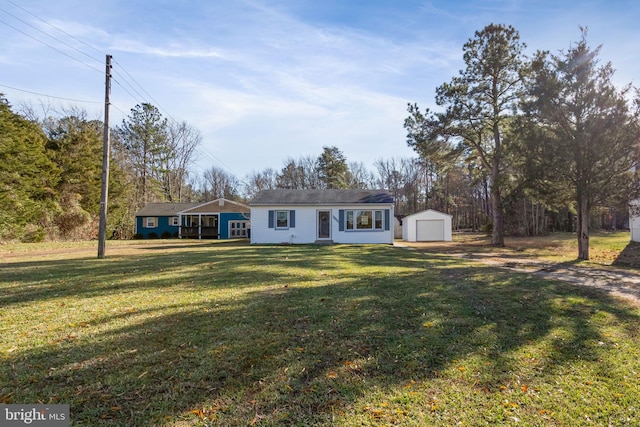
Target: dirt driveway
<point>620,282</point>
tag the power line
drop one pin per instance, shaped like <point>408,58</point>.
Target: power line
<point>51,47</point>
<point>49,35</point>
<point>126,90</point>
<point>147,93</point>
<point>136,97</point>
<point>50,96</point>
<point>67,44</point>
<point>53,26</point>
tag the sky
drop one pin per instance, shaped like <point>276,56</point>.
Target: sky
<point>268,80</point>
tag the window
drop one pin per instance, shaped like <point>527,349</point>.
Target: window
<point>364,220</point>
<point>174,220</point>
<point>150,222</point>
<point>191,220</point>
<point>209,220</point>
<point>378,220</point>
<point>282,219</point>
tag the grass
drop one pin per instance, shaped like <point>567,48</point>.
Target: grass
<point>205,333</point>
<point>605,248</point>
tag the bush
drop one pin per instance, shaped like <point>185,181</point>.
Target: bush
<point>137,236</point>
<point>166,235</point>
<point>153,235</point>
<point>33,234</point>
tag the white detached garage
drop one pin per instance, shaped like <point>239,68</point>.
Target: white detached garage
<point>426,226</point>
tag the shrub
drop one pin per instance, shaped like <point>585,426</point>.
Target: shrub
<point>33,234</point>
<point>153,235</point>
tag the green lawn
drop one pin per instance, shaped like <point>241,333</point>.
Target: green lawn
<point>204,333</point>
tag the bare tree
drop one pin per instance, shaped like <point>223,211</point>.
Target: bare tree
<point>258,181</point>
<point>220,184</point>
<point>182,142</point>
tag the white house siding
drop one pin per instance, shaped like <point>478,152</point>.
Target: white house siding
<point>305,230</point>
<point>634,220</point>
<point>429,225</point>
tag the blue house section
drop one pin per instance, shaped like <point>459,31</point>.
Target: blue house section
<point>162,229</point>
<point>228,223</point>
<point>218,219</point>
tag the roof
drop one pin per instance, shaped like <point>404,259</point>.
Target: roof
<point>173,209</point>
<point>428,212</point>
<point>321,197</point>
<point>165,209</point>
<point>218,206</point>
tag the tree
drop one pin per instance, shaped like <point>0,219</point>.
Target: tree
<point>359,176</point>
<point>480,104</point>
<point>333,169</point>
<point>182,142</point>
<point>75,145</point>
<point>258,181</point>
<point>582,134</point>
<point>144,135</point>
<point>299,174</point>
<point>27,178</point>
<point>220,184</point>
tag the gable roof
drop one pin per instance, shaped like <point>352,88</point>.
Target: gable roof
<point>427,212</point>
<point>173,209</point>
<point>217,205</point>
<point>321,197</point>
<point>165,209</point>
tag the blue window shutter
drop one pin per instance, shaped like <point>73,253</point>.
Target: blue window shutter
<point>272,215</point>
<point>292,219</point>
<point>387,219</point>
<point>341,220</point>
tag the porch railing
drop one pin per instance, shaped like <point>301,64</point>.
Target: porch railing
<point>199,232</point>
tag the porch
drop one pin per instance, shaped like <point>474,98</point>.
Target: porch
<point>195,232</point>
<point>199,226</point>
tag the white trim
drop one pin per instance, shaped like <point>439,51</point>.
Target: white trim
<point>275,220</point>
<point>318,224</point>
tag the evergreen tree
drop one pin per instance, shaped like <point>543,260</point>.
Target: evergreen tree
<point>144,136</point>
<point>582,135</point>
<point>333,169</point>
<point>27,178</point>
<point>480,104</point>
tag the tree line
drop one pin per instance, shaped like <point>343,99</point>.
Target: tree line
<point>552,129</point>
<point>518,146</point>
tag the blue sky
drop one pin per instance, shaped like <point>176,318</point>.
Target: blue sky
<point>264,80</point>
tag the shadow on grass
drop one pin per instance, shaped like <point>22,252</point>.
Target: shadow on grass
<point>630,256</point>
<point>294,336</point>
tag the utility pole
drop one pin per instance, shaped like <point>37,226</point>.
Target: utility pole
<point>104,194</point>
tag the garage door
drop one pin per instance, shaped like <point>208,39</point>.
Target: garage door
<point>430,230</point>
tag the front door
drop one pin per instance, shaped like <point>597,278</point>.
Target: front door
<point>324,225</point>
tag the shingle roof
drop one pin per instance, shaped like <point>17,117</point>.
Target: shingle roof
<point>321,197</point>
<point>165,209</point>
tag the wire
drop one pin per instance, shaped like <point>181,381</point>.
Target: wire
<point>205,154</point>
<point>126,90</point>
<point>53,26</point>
<point>116,107</point>
<point>147,93</point>
<point>49,35</point>
<point>51,96</point>
<point>51,47</point>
